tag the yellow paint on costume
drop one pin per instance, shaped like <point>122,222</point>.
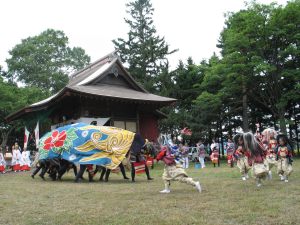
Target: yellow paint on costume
<point>115,146</point>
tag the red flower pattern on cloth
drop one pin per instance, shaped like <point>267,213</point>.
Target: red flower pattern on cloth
<point>56,140</point>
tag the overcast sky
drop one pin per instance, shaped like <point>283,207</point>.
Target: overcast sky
<point>192,26</point>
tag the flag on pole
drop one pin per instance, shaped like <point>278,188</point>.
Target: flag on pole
<point>37,134</point>
<point>26,136</point>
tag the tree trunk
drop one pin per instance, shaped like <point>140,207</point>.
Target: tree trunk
<point>221,136</point>
<point>245,111</point>
<point>297,134</point>
<point>282,123</point>
<point>274,122</point>
<point>296,129</point>
<point>4,139</point>
<point>291,131</point>
<point>4,135</point>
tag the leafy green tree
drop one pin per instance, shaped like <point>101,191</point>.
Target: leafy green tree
<point>45,61</point>
<point>256,80</point>
<point>144,51</point>
<point>13,98</point>
<point>277,70</point>
<point>181,85</point>
<point>209,108</point>
<point>185,77</point>
<point>260,45</point>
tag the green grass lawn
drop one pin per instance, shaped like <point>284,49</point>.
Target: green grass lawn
<point>225,199</point>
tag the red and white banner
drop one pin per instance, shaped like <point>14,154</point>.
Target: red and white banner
<point>37,134</point>
<point>26,136</point>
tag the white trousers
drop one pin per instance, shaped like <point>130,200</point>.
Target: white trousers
<point>185,162</point>
<point>201,160</point>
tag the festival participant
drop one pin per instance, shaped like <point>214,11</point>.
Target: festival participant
<point>106,172</point>
<point>173,171</point>
<point>202,152</point>
<point>241,155</point>
<point>16,159</point>
<point>36,159</point>
<point>54,167</point>
<point>18,147</point>
<point>95,145</point>
<point>270,142</point>
<point>215,154</point>
<point>150,153</point>
<point>42,164</point>
<point>175,150</point>
<point>184,150</point>
<point>25,160</point>
<point>257,156</point>
<point>64,167</point>
<point>8,156</point>
<point>2,162</point>
<point>82,168</point>
<point>137,156</point>
<point>284,157</point>
<point>229,152</point>
<point>136,159</point>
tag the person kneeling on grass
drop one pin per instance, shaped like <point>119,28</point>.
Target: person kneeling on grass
<point>173,171</point>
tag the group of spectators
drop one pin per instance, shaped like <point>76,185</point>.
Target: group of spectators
<point>203,152</point>
<point>17,159</point>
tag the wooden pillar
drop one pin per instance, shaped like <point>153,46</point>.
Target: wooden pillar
<point>138,120</point>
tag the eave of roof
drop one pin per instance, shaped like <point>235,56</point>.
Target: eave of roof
<point>119,92</point>
<point>80,83</point>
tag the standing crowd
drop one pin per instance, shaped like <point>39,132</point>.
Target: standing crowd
<point>19,160</point>
<point>258,152</point>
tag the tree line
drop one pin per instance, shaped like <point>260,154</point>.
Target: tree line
<point>254,80</point>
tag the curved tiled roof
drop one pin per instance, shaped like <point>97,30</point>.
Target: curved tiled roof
<point>81,82</point>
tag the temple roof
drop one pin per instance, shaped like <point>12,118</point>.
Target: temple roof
<point>105,78</point>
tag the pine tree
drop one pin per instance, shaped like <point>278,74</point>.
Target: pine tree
<point>144,51</point>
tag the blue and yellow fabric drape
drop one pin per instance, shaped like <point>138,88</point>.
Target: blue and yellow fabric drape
<point>87,144</point>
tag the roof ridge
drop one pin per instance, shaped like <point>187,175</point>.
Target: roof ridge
<point>110,56</point>
<point>90,78</point>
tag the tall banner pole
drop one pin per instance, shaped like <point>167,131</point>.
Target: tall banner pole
<point>37,134</point>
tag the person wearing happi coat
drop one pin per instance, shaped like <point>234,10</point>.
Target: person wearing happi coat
<point>284,158</point>
<point>136,155</point>
<point>173,171</point>
<point>241,155</point>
